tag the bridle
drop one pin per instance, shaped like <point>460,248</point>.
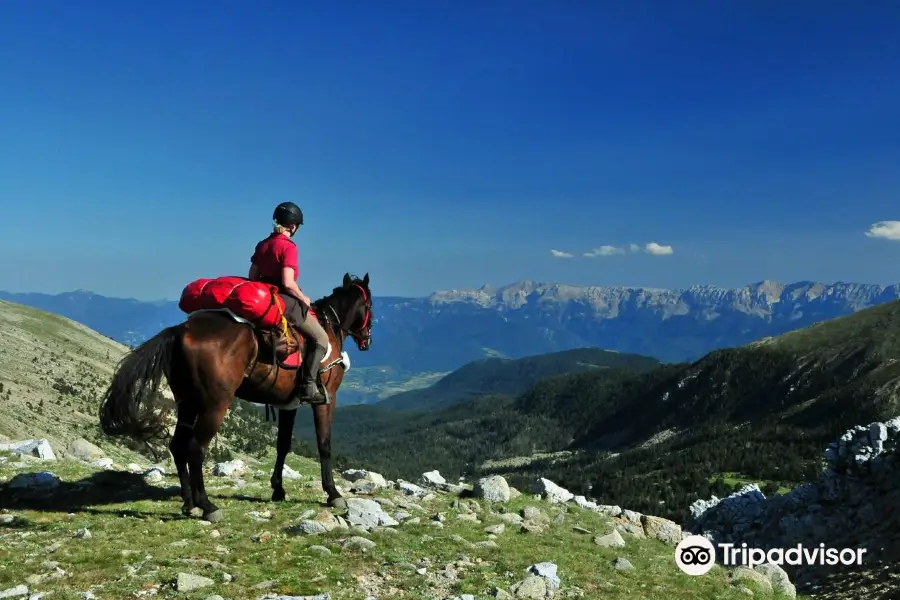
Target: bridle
<point>361,335</point>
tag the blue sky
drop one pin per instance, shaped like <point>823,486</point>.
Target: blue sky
<point>448,144</point>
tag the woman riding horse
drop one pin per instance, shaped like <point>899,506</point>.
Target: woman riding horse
<point>275,262</point>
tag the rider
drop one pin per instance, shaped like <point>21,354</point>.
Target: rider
<point>275,262</point>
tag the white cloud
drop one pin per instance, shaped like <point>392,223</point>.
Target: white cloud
<point>560,254</point>
<point>603,251</point>
<point>634,248</point>
<point>657,250</point>
<point>886,230</point>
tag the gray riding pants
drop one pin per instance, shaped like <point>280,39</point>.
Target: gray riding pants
<point>297,313</point>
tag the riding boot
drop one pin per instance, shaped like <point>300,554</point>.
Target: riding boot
<point>308,389</point>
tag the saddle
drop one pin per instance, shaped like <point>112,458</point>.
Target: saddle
<point>285,345</point>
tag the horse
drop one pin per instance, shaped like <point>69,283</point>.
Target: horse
<point>215,356</point>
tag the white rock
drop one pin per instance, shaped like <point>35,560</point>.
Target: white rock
<point>289,473</point>
<point>102,463</point>
<point>39,448</point>
<point>552,492</point>
<point>432,478</point>
<point>231,468</point>
<point>493,489</point>
<point>15,592</point>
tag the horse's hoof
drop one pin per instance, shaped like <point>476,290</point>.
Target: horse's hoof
<point>338,502</point>
<point>215,516</point>
<point>278,495</point>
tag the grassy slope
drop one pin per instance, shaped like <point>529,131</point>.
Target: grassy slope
<point>139,544</point>
<point>53,371</point>
<point>510,377</point>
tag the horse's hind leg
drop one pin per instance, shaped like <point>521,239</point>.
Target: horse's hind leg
<point>282,447</point>
<point>205,429</point>
<point>179,447</point>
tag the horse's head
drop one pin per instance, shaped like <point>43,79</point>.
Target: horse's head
<point>353,304</point>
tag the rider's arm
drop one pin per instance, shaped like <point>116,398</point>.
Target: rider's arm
<point>290,285</point>
<point>289,268</point>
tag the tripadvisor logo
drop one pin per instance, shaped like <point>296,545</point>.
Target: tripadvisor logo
<point>696,555</point>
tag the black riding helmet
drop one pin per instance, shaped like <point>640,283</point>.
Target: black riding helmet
<point>287,214</point>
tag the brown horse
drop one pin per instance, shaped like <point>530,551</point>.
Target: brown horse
<point>215,356</point>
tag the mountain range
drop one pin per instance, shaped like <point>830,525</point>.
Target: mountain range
<point>631,431</point>
<point>418,340</point>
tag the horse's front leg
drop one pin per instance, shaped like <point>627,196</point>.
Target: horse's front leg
<point>322,417</point>
<point>282,447</point>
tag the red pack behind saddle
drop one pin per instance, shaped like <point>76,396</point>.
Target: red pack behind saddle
<point>253,300</point>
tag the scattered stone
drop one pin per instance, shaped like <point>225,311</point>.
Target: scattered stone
<point>745,574</point>
<point>289,473</point>
<point>497,529</point>
<point>547,570</point>
<point>432,478</point>
<point>14,592</point>
<point>263,585</point>
<point>37,448</point>
<point>610,511</point>
<point>531,588</point>
<point>83,534</point>
<point>492,489</point>
<point>511,518</point>
<point>186,582</point>
<point>320,550</point>
<point>781,583</point>
<point>411,489</point>
<point>102,463</point>
<point>261,538</point>
<point>84,450</point>
<point>610,540</point>
<point>367,514</point>
<point>664,530</point>
<point>308,527</point>
<point>231,468</point>
<point>552,492</point>
<point>532,513</point>
<point>631,529</point>
<point>358,543</point>
<point>622,563</point>
<point>582,502</point>
<point>154,475</point>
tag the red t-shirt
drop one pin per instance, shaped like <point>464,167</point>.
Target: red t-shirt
<point>273,254</point>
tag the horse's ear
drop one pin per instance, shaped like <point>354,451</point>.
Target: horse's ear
<point>347,280</point>
<point>366,280</point>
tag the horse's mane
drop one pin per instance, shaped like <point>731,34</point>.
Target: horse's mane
<point>324,301</point>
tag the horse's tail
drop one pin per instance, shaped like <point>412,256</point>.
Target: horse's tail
<point>132,405</point>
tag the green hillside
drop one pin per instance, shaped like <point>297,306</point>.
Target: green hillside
<point>660,439</point>
<point>510,377</point>
<point>490,424</point>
